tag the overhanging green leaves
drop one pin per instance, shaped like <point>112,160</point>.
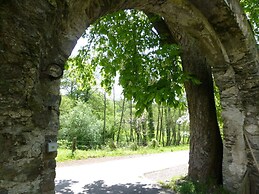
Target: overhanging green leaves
<point>125,43</point>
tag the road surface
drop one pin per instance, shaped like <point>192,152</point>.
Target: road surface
<point>131,174</point>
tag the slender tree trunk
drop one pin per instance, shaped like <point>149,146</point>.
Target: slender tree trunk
<point>134,125</point>
<point>144,132</point>
<point>179,130</point>
<point>162,134</point>
<point>151,127</point>
<point>131,122</point>
<point>179,136</point>
<point>184,132</point>
<point>122,114</point>
<point>104,116</point>
<point>125,130</point>
<point>158,123</point>
<point>114,109</point>
<point>174,128</point>
<point>138,130</point>
<point>168,125</point>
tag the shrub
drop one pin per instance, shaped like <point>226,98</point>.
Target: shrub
<point>79,122</point>
<point>64,144</point>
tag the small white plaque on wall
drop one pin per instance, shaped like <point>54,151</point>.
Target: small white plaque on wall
<point>52,147</point>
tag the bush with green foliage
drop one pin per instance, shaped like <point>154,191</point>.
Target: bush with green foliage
<point>81,123</point>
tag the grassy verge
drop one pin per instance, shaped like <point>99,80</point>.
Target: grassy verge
<point>66,154</point>
<point>185,186</point>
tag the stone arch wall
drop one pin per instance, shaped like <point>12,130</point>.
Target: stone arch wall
<point>37,38</point>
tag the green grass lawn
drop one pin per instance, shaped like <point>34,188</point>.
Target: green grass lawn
<point>66,154</point>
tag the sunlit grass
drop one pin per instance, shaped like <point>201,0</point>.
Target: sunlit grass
<point>66,154</point>
<point>183,185</point>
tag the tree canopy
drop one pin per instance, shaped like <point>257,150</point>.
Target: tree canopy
<point>251,8</point>
<point>127,44</point>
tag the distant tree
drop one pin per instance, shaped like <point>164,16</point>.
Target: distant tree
<point>121,120</point>
<point>78,79</point>
<point>104,115</point>
<point>151,127</point>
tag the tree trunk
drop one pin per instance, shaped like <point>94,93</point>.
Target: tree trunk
<point>137,127</point>
<point>114,109</point>
<point>144,132</point>
<point>179,137</point>
<point>104,116</point>
<point>158,122</point>
<point>184,126</point>
<point>206,150</point>
<point>151,128</point>
<point>122,114</point>
<point>131,123</point>
<point>178,141</point>
<point>168,126</point>
<point>162,133</point>
<point>174,129</point>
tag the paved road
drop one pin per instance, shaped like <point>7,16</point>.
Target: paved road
<point>135,174</point>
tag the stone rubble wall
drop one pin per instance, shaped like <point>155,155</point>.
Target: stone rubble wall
<point>29,98</point>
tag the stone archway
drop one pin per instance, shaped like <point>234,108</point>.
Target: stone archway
<point>37,38</point>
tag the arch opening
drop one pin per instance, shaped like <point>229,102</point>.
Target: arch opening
<point>213,128</point>
<point>144,73</point>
